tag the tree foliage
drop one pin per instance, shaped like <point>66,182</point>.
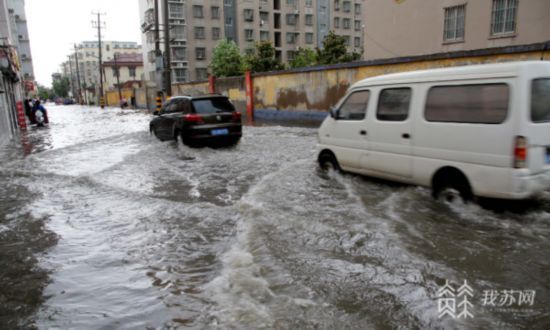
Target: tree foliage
<point>61,87</point>
<point>262,58</point>
<point>226,60</point>
<point>304,57</point>
<point>44,93</point>
<point>335,50</point>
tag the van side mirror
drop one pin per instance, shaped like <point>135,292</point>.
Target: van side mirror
<point>333,113</point>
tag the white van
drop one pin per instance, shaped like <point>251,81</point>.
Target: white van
<point>480,130</point>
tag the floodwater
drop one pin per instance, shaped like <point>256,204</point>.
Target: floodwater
<point>103,226</point>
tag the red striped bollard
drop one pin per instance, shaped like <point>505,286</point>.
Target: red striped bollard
<point>21,116</point>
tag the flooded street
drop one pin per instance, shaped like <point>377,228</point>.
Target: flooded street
<point>104,226</point>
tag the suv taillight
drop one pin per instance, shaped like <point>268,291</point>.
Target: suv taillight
<point>193,119</point>
<point>520,152</point>
<point>236,116</point>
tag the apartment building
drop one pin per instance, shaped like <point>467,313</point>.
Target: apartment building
<point>122,70</point>
<point>19,21</point>
<point>88,63</point>
<point>420,27</point>
<point>13,40</point>
<point>196,27</point>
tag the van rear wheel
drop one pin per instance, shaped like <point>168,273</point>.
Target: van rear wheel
<point>452,188</point>
<point>328,162</point>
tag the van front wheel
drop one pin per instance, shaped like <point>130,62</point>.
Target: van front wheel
<point>328,162</point>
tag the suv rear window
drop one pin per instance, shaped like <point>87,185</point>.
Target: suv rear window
<point>213,105</point>
<point>540,100</point>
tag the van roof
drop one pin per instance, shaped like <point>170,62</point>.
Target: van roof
<point>499,70</point>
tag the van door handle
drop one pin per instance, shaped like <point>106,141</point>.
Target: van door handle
<point>363,132</point>
<point>406,135</point>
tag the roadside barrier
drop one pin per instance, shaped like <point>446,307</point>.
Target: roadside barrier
<point>21,115</point>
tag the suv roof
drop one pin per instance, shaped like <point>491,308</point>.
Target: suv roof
<point>198,97</point>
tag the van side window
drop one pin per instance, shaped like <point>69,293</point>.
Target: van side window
<point>473,104</point>
<point>393,104</point>
<point>540,100</point>
<point>355,106</point>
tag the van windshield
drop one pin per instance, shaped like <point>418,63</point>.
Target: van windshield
<point>540,100</point>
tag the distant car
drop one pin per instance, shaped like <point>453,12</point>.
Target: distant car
<point>200,120</point>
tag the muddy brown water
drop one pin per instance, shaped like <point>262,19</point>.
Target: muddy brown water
<point>103,226</point>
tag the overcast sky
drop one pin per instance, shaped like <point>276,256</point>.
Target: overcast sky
<point>55,25</point>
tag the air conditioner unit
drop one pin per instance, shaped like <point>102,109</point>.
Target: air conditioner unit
<point>296,12</point>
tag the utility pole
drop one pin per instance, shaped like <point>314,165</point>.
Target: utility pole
<point>167,68</point>
<point>118,79</point>
<point>78,76</point>
<point>71,76</point>
<point>157,29</point>
<point>158,54</point>
<point>99,27</point>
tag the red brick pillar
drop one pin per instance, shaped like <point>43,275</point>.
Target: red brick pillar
<point>211,84</point>
<point>249,88</point>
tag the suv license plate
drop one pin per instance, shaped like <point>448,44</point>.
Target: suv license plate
<point>221,131</point>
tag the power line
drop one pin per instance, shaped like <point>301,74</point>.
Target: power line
<point>380,45</point>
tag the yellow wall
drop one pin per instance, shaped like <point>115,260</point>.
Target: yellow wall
<point>141,97</point>
<point>236,94</point>
<point>112,99</point>
<point>319,90</point>
<point>192,89</point>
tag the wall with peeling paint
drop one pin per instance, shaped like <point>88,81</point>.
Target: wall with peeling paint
<point>316,89</point>
<point>234,88</point>
<point>112,97</point>
<point>320,90</point>
<point>192,89</point>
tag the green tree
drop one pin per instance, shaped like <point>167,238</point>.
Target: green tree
<point>304,57</point>
<point>226,60</point>
<point>61,87</point>
<point>335,50</point>
<point>263,59</point>
<point>44,93</point>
